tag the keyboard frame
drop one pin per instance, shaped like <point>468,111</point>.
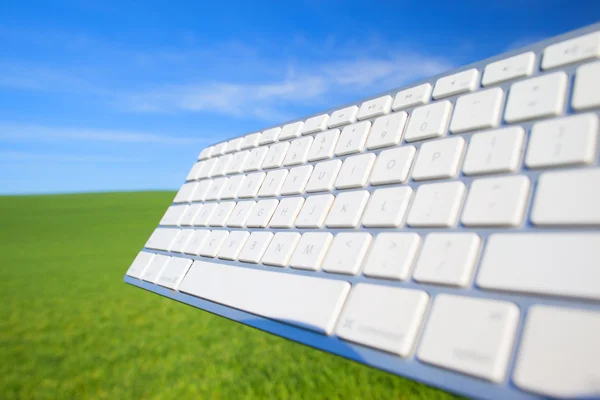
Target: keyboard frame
<point>411,367</point>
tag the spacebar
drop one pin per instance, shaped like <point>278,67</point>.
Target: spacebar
<point>308,302</point>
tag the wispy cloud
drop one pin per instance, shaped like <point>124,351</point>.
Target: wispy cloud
<point>27,157</point>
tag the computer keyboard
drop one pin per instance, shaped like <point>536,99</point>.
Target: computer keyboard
<point>446,231</point>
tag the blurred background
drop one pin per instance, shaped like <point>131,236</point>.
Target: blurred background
<point>119,98</point>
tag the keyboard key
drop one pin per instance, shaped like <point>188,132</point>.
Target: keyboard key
<point>392,255</point>
<point>186,192</point>
<point>323,176</point>
<point>510,68</point>
<point>221,213</point>
<point>387,131</point>
<point>273,183</point>
<point>236,165</point>
<point>296,180</point>
<point>567,198</point>
<point>298,151</point>
<point>138,266</point>
<point>207,168</point>
<point>563,141</point>
<point>543,96</point>
<point>219,149</point>
<point>232,187</point>
<point>375,107</point>
<point>181,240</point>
<point>162,239</point>
<point>314,211</point>
<point>560,264</point>
<point>206,153</point>
<point>214,192</point>
<point>276,155</point>
<point>213,242</point>
<point>255,247</point>
<point>286,212</point>
<point>384,318</point>
<point>355,171</point>
<point>315,124</point>
<point>353,138</point>
<point>448,259</point>
<point>346,253</point>
<point>250,141</point>
<point>269,136</point>
<point>470,335</point>
<point>155,267</point>
<point>240,214</point>
<point>173,215</point>
<point>414,96</point>
<point>280,249</point>
<point>494,151</point>
<point>559,353</point>
<point>573,50</point>
<point>437,205</point>
<point>497,201</point>
<point>173,272</point>
<point>311,250</point>
<point>196,241</point>
<point>586,93</point>
<point>428,122</point>
<point>387,207</point>
<point>324,145</point>
<point>251,185</point>
<point>233,245</point>
<point>201,190</point>
<point>347,209</point>
<point>261,213</point>
<point>439,159</point>
<point>392,166</point>
<point>204,214</point>
<point>193,174</point>
<point>187,218</point>
<point>290,131</point>
<point>307,302</point>
<point>343,117</point>
<point>221,165</point>
<point>255,159</point>
<point>477,111</point>
<point>233,145</point>
<point>461,82</point>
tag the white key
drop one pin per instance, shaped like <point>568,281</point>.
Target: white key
<point>347,252</point>
<point>439,159</point>
<point>240,214</point>
<point>173,272</point>
<point>280,249</point>
<point>499,150</point>
<point>382,317</point>
<point>162,238</point>
<point>138,266</point>
<point>436,205</point>
<point>586,93</point>
<point>233,245</point>
<point>355,171</point>
<point>196,241</point>
<point>290,131</point>
<point>275,156</point>
<point>567,198</point>
<point>496,201</point>
<point>232,187</point>
<point>563,141</point>
<point>269,136</point>
<point>236,165</point>
<point>221,165</point>
<point>353,138</point>
<point>387,131</point>
<point>206,153</point>
<point>428,121</point>
<point>314,211</point>
<point>470,335</point>
<point>255,247</point>
<point>414,96</point>
<point>286,212</point>
<point>173,215</point>
<point>342,117</point>
<point>387,207</point>
<point>255,159</point>
<point>510,68</point>
<point>186,192</point>
<point>219,149</point>
<point>193,174</point>
<point>261,213</point>
<point>251,185</point>
<point>296,180</point>
<point>323,176</point>
<point>187,219</point>
<point>375,107</point>
<point>347,209</point>
<point>273,183</point>
<point>221,213</point>
<point>298,151</point>
<point>181,240</point>
<point>207,168</point>
<point>311,250</point>
<point>477,111</point>
<point>461,82</point>
<point>573,50</point>
<point>559,353</point>
<point>214,191</point>
<point>324,144</point>
<point>393,165</point>
<point>155,267</point>
<point>560,264</point>
<point>204,214</point>
<point>392,255</point>
<point>307,302</point>
<point>448,259</point>
<point>212,244</point>
<point>233,145</point>
<point>250,141</point>
<point>543,96</point>
<point>315,124</point>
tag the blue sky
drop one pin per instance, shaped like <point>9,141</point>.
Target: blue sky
<point>103,95</point>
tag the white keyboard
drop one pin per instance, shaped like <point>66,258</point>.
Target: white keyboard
<point>446,231</point>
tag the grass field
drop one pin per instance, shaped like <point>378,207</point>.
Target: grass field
<point>71,329</point>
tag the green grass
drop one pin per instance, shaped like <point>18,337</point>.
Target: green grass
<point>71,329</point>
